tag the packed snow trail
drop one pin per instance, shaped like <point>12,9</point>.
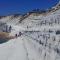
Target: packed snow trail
<point>20,48</point>
<point>33,54</point>
<point>13,50</point>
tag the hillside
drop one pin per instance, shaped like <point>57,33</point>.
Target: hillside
<point>39,39</point>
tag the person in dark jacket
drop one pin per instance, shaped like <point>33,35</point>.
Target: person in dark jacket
<point>20,33</point>
<point>16,35</point>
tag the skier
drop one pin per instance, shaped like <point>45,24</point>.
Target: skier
<point>16,35</point>
<point>19,33</point>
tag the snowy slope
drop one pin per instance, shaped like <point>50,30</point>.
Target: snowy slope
<point>40,39</point>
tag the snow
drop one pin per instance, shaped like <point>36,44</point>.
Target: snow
<point>36,42</point>
<point>13,50</point>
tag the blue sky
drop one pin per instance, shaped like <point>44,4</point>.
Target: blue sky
<point>22,6</point>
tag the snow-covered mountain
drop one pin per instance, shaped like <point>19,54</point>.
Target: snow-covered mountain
<point>40,35</point>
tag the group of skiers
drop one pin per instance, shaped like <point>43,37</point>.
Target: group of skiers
<point>17,35</point>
